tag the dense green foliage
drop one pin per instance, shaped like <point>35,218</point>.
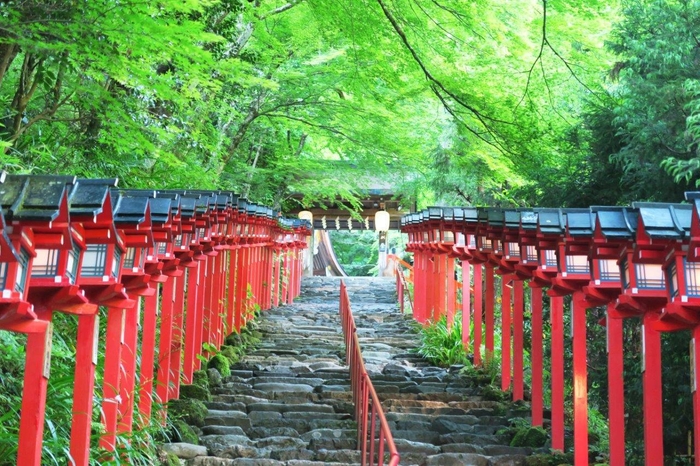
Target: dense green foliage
<point>528,102</point>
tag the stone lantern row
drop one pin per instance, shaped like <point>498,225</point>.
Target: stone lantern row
<point>641,261</point>
<point>177,271</point>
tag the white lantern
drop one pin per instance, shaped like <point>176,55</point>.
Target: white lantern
<point>382,220</point>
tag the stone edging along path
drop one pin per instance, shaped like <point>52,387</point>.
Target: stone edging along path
<point>287,403</point>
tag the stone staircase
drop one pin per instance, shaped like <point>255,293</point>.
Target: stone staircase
<point>288,403</point>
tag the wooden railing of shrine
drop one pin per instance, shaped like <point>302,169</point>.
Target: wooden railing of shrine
<point>177,272</point>
<point>374,437</point>
<point>641,261</point>
<point>403,290</point>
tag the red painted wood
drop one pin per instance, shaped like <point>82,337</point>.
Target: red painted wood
<point>127,391</point>
<point>518,311</point>
<point>653,394</point>
<point>419,287</point>
<point>451,290</point>
<point>230,292</point>
<point>83,389</point>
<point>557,357</point>
<point>506,331</point>
<point>616,389</point>
<point>695,388</point>
<point>580,380</point>
<point>269,277</point>
<point>478,311</point>
<point>278,279</point>
<point>148,343</point>
<point>111,386</point>
<point>240,284</point>
<point>165,340</point>
<point>536,357</point>
<point>466,304</point>
<point>202,313</point>
<point>191,319</point>
<point>31,423</point>
<point>176,349</point>
<point>490,292</point>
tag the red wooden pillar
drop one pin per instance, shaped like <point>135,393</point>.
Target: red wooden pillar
<point>231,291</point>
<point>276,279</point>
<point>165,341</point>
<point>208,329</point>
<point>112,379</point>
<point>177,343</point>
<point>191,320</point>
<point>478,311</point>
<point>269,276</point>
<point>695,389</point>
<point>466,304</point>
<point>148,343</point>
<point>418,294</point>
<point>536,356</point>
<point>441,289</point>
<point>127,390</point>
<point>451,291</point>
<point>285,276</point>
<point>425,288</point>
<point>518,321</point>
<point>578,317</point>
<point>616,389</point>
<point>216,300</point>
<point>557,357</point>
<point>239,284</point>
<point>202,323</point>
<point>506,313</point>
<point>84,387</point>
<point>653,394</point>
<point>36,373</point>
<point>489,284</point>
<point>243,285</point>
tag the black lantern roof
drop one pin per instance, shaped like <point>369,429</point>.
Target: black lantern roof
<point>129,208</point>
<point>471,214</point>
<point>665,221</point>
<point>511,218</point>
<point>434,213</point>
<point>579,222</point>
<point>33,197</point>
<point>482,215</point>
<point>174,198</point>
<point>529,219</point>
<point>458,214</point>
<point>242,205</point>
<point>160,209</point>
<point>616,222</point>
<point>448,214</point>
<point>495,217</point>
<point>88,196</point>
<point>550,221</point>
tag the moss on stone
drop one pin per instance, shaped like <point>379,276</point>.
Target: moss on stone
<point>232,353</point>
<point>550,460</point>
<point>533,437</point>
<point>233,339</point>
<point>200,378</point>
<point>196,392</point>
<point>182,432</point>
<point>191,411</point>
<point>493,393</point>
<point>221,364</point>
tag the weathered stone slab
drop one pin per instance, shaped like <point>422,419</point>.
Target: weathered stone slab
<point>456,459</point>
<point>185,450</point>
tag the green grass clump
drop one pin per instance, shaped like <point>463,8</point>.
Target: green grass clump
<point>442,346</point>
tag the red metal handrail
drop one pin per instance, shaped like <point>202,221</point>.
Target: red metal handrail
<point>372,439</point>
